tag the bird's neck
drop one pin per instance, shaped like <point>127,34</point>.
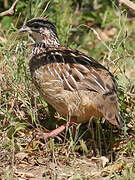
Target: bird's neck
<point>46,42</point>
<point>51,41</point>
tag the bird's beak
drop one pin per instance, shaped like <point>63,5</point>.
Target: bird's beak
<point>25,29</point>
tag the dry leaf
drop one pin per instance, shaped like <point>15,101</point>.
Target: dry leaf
<point>21,155</point>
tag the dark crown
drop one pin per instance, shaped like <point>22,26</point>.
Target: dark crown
<point>37,23</point>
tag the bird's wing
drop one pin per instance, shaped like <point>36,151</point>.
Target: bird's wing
<point>76,70</point>
<point>64,68</point>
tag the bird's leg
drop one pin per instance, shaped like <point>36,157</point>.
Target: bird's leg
<point>68,124</point>
<point>91,128</point>
<point>74,127</point>
<point>71,122</point>
<point>53,133</point>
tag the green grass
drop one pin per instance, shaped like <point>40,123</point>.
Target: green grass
<point>21,107</point>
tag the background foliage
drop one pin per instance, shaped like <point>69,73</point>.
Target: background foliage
<point>103,30</point>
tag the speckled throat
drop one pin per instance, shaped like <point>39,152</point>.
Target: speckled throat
<point>39,48</point>
<point>46,42</point>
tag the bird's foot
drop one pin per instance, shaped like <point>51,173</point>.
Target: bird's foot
<point>47,135</point>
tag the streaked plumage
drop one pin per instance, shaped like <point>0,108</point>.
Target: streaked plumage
<point>76,85</point>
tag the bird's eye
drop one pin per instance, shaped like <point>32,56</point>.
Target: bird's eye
<point>35,26</point>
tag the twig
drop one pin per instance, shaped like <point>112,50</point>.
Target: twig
<point>5,3</point>
<point>128,3</point>
<point>10,11</point>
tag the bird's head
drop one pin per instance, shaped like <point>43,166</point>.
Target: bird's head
<point>41,30</point>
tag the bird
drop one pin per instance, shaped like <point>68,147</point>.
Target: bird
<point>74,84</point>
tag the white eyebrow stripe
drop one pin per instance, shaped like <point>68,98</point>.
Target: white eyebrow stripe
<point>67,83</point>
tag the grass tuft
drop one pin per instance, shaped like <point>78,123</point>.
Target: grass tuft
<point>102,31</point>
